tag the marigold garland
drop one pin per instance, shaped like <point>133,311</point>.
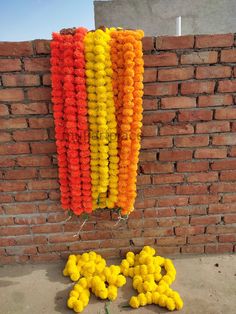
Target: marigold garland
<point>100,70</point>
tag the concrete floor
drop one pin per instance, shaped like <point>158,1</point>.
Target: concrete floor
<point>207,285</point>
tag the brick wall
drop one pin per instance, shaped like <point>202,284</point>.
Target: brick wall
<point>187,182</point>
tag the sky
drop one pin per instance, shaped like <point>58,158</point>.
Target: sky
<point>36,19</point>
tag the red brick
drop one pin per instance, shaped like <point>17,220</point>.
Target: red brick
<point>57,217</point>
<point>47,79</point>
<point>48,173</point>
<point>210,153</point>
<point>191,210</point>
<point>11,94</point>
<point>149,130</point>
<point>40,161</point>
<point>203,238</point>
<point>147,156</point>
<point>229,198</point>
<point>6,198</point>
<point>178,102</point>
<point>39,93</point>
<point>42,46</point>
<point>171,241</point>
<point>219,40</point>
<point>224,139</point>
<point>156,142</point>
<point>166,212</point>
<point>174,42</point>
<point>16,123</point>
<point>30,196</point>
<point>215,100</point>
<point>54,195</point>
<point>20,174</point>
<point>205,220</point>
<point>38,123</point>
<point>227,238</point>
<point>50,207</point>
<point>5,221</point>
<point>195,115</point>
<point>213,127</point>
<point>149,104</point>
<point>223,187</point>
<point>189,230</point>
<point>161,59</point>
<point>176,129</point>
<point>14,149</point>
<point>16,49</point>
<point>191,141</point>
<point>5,137</point>
<point>157,167</point>
<point>195,166</point>
<point>203,199</point>
<point>37,64</point>
<point>43,148</point>
<point>168,178</point>
<point>20,80</point>
<point>6,260</point>
<point>47,229</point>
<point>52,248</point>
<point>227,86</point>
<point>4,109</point>
<point>150,75</point>
<point>7,241</point>
<point>203,177</point>
<point>219,248</point>
<point>32,108</point>
<point>219,229</point>
<point>14,231</point>
<point>191,189</point>
<point>17,209</point>
<point>217,71</point>
<point>173,155</point>
<point>229,218</point>
<point>223,164</point>
<point>199,57</point>
<point>143,204</point>
<point>51,257</point>
<point>176,221</point>
<point>43,185</point>
<point>228,175</point>
<point>233,127</point>
<point>30,135</point>
<point>34,220</point>
<point>158,232</point>
<point>197,87</point>
<point>232,152</point>
<point>161,89</point>
<point>143,180</point>
<point>173,201</point>
<point>155,117</point>
<point>228,55</point>
<point>7,162</point>
<point>9,65</point>
<point>225,114</point>
<point>160,190</point>
<point>192,249</point>
<point>176,74</point>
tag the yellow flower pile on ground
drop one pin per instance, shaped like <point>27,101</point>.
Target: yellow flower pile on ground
<point>152,285</point>
<point>92,274</point>
<point>152,276</point>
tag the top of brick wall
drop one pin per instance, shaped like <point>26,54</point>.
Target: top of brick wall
<point>42,46</point>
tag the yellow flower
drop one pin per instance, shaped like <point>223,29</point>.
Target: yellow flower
<point>162,300</point>
<point>155,297</point>
<point>170,304</point>
<point>134,302</point>
<point>71,301</point>
<point>142,299</point>
<point>149,297</point>
<point>112,292</point>
<point>120,281</point>
<point>78,306</point>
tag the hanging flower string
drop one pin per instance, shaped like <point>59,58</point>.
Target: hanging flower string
<point>97,101</point>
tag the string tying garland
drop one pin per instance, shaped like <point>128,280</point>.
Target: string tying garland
<point>97,107</point>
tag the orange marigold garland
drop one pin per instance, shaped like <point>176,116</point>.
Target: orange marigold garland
<point>58,113</point>
<point>83,132</point>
